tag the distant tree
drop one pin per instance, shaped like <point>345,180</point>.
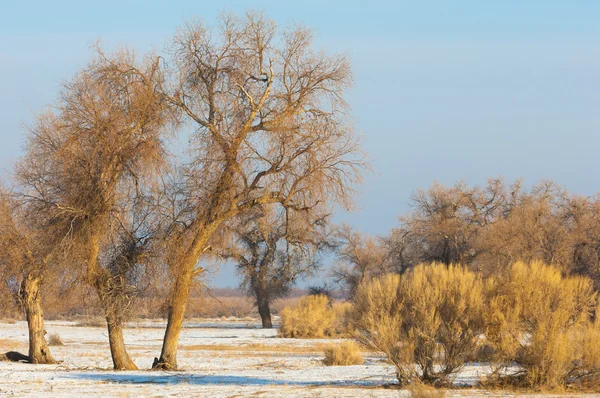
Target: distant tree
<point>359,258</point>
<point>445,223</point>
<point>272,251</point>
<point>582,217</point>
<point>490,227</point>
<point>269,126</point>
<point>531,227</point>
<point>324,289</point>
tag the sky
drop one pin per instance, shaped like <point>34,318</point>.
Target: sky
<point>444,90</point>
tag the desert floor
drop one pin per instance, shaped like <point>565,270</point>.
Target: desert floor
<point>218,358</point>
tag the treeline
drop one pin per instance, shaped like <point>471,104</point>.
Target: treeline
<point>485,228</point>
<point>99,197</point>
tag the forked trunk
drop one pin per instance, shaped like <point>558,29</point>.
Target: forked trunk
<point>264,311</point>
<point>178,302</point>
<point>32,301</point>
<point>120,357</point>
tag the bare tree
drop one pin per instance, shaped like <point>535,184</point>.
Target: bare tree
<point>272,251</point>
<point>270,126</point>
<point>24,258</point>
<point>445,221</point>
<point>105,133</point>
<point>583,220</point>
<point>491,227</point>
<point>360,258</point>
<point>534,225</point>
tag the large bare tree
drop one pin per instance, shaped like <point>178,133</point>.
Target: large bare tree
<point>270,125</point>
<point>105,133</point>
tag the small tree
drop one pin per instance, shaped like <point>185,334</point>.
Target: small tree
<point>24,259</point>
<point>272,250</point>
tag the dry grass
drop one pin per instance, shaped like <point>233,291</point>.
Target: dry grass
<point>278,305</point>
<point>313,348</point>
<point>344,354</point>
<point>95,322</point>
<point>420,390</point>
<point>55,340</point>
<point>11,345</point>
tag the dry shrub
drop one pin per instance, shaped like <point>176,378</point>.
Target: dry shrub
<point>341,313</point>
<point>313,317</point>
<point>279,304</point>
<point>431,316</point>
<point>344,354</point>
<point>420,390</point>
<point>55,340</point>
<point>94,322</point>
<point>540,320</point>
<point>586,369</point>
<point>217,307</point>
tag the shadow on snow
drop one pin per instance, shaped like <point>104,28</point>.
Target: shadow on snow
<point>206,380</point>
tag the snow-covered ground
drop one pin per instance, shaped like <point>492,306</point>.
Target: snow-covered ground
<point>217,359</point>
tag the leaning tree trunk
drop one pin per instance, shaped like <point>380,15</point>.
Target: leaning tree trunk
<point>264,310</point>
<point>32,301</point>
<point>178,301</point>
<point>120,357</point>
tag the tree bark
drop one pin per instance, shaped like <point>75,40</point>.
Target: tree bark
<point>264,311</point>
<point>178,301</point>
<point>38,348</point>
<point>120,357</point>
<point>98,279</point>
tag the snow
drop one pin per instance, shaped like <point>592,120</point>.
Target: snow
<point>244,361</point>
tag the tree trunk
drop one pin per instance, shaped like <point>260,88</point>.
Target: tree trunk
<point>178,301</point>
<point>32,300</point>
<point>120,357</point>
<point>98,279</point>
<point>265,316</point>
<point>264,311</point>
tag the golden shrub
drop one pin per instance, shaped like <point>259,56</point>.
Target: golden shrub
<point>431,316</point>
<point>420,390</point>
<point>343,354</point>
<point>312,317</point>
<point>541,320</point>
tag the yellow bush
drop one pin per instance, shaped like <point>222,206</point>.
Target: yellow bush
<point>431,316</point>
<point>420,390</point>
<point>311,317</point>
<point>344,354</point>
<point>587,365</point>
<point>341,312</point>
<point>540,320</point>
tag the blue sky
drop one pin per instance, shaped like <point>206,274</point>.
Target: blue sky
<point>445,90</point>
